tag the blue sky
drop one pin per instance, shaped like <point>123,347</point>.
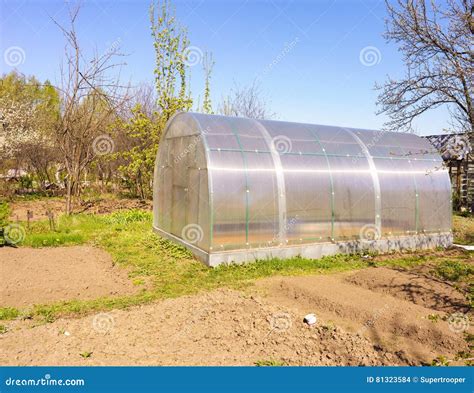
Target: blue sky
<point>308,56</point>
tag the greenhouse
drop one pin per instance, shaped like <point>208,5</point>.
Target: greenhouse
<point>234,189</point>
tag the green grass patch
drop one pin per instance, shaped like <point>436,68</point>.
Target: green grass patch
<point>270,363</point>
<point>454,270</point>
<point>4,213</point>
<point>8,313</point>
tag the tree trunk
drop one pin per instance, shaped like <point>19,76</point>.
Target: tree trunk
<point>68,196</point>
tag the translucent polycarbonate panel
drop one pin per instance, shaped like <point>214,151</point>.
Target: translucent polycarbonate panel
<point>354,196</point>
<point>433,206</point>
<point>181,183</point>
<point>338,141</point>
<point>162,181</point>
<point>185,191</point>
<point>398,196</point>
<point>415,147</point>
<point>229,200</point>
<point>263,217</point>
<point>249,134</point>
<point>222,142</point>
<point>292,138</point>
<point>204,210</point>
<point>162,204</point>
<point>182,125</point>
<point>398,145</point>
<point>308,198</point>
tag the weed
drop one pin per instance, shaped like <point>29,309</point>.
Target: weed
<point>8,313</point>
<point>3,329</point>
<point>4,213</point>
<point>454,270</point>
<point>128,216</point>
<point>266,363</point>
<point>434,317</point>
<point>86,354</point>
<point>440,361</point>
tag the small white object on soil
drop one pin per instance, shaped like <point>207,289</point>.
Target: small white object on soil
<point>310,319</point>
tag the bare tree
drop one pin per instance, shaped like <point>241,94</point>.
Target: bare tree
<point>90,98</point>
<point>436,43</point>
<point>245,102</point>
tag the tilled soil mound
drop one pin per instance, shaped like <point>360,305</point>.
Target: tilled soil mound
<point>414,286</point>
<point>223,327</point>
<point>44,275</point>
<point>397,322</point>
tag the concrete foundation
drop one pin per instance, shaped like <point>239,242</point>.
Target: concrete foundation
<point>317,250</point>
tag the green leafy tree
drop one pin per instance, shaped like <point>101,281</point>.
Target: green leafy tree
<point>137,171</point>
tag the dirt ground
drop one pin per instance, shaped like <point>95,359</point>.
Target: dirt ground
<point>39,208</point>
<point>36,276</point>
<point>367,317</point>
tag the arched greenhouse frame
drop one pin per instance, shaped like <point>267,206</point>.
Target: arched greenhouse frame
<point>235,189</point>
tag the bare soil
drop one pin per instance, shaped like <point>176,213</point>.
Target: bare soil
<point>223,327</point>
<point>360,322</point>
<point>36,276</point>
<point>382,305</point>
<point>40,207</point>
<point>416,285</point>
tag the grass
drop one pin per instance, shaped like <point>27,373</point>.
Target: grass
<point>169,269</point>
<point>463,229</point>
<point>267,363</point>
<point>4,213</point>
<point>8,313</point>
<point>453,270</point>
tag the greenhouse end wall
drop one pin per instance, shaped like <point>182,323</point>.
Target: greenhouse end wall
<point>235,190</point>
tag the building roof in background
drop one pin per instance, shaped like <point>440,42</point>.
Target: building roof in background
<point>453,146</point>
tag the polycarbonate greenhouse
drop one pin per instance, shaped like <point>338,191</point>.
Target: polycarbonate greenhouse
<point>234,189</point>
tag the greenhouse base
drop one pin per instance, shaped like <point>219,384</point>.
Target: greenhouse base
<point>317,250</point>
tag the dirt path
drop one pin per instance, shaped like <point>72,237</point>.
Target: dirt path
<point>44,275</point>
